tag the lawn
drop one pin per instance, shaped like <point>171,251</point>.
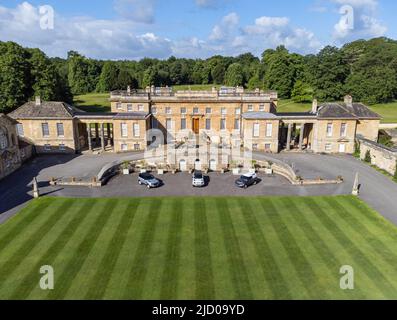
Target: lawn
<point>93,102</point>
<point>204,248</point>
<point>387,110</point>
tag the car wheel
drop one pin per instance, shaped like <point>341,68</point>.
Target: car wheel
<point>140,183</point>
<point>148,186</point>
<point>245,186</point>
<point>255,183</point>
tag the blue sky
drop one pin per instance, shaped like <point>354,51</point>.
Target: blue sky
<point>132,29</point>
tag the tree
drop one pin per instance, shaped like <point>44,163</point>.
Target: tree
<point>78,73</point>
<point>14,76</point>
<point>43,76</point>
<point>150,77</point>
<point>280,71</point>
<point>302,92</point>
<point>234,75</point>
<point>329,70</point>
<point>255,82</point>
<point>125,79</point>
<point>108,80</point>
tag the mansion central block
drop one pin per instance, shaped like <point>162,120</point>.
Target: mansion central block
<point>227,116</point>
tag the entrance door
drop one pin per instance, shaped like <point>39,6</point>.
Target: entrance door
<point>213,165</point>
<point>342,148</point>
<point>196,125</point>
<point>182,165</point>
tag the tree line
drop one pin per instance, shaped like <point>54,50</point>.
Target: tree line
<point>366,69</point>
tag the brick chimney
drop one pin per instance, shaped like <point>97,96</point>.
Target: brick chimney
<point>314,106</point>
<point>38,101</point>
<point>349,100</point>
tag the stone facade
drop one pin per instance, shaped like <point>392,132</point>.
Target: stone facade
<point>10,158</point>
<point>229,117</point>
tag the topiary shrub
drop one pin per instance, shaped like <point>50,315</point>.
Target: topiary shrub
<point>368,157</point>
<point>357,151</point>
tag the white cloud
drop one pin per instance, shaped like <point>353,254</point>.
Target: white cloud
<point>222,31</point>
<point>136,10</point>
<point>103,39</point>
<point>211,4</point>
<point>362,17</point>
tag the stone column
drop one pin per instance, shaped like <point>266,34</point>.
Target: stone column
<point>289,136</point>
<point>301,135</point>
<point>89,136</point>
<point>36,192</point>
<point>103,137</point>
<point>108,134</point>
<point>96,133</point>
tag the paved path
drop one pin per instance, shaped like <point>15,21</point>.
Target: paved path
<point>377,190</point>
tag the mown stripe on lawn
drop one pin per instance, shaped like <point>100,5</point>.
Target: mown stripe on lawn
<point>169,279</point>
<point>27,246</point>
<point>204,276</point>
<point>362,231</point>
<point>138,271</point>
<point>329,259</point>
<point>100,281</point>
<point>29,282</point>
<point>373,273</point>
<point>236,267</point>
<point>274,279</point>
<point>26,217</point>
<point>65,280</point>
<point>296,256</point>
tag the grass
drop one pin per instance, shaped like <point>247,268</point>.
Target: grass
<point>93,102</point>
<point>387,110</point>
<point>198,248</point>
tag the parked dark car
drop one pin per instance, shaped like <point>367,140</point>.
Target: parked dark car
<point>247,180</point>
<point>149,180</point>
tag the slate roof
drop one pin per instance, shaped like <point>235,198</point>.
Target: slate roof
<point>2,115</point>
<point>259,116</point>
<point>346,111</point>
<point>361,111</point>
<point>47,109</point>
<point>334,111</point>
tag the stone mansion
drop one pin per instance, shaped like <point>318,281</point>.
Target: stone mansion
<point>229,116</point>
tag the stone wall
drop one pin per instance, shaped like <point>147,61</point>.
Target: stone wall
<point>384,158</point>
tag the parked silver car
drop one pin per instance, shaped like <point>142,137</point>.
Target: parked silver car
<point>149,180</point>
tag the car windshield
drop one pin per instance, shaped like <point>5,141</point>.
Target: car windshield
<point>244,178</point>
<point>147,177</point>
<point>198,175</point>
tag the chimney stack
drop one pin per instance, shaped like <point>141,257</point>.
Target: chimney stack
<point>314,106</point>
<point>348,100</point>
<point>38,101</point>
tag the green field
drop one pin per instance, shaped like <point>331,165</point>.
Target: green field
<point>93,102</point>
<point>204,248</point>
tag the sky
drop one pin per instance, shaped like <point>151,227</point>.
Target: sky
<point>133,29</point>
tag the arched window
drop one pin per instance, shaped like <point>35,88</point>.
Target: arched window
<point>3,139</point>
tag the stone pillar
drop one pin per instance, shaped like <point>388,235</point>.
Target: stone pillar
<point>289,136</point>
<point>356,186</point>
<point>301,135</point>
<point>96,133</point>
<point>108,134</point>
<point>103,137</point>
<point>89,136</point>
<point>36,193</point>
